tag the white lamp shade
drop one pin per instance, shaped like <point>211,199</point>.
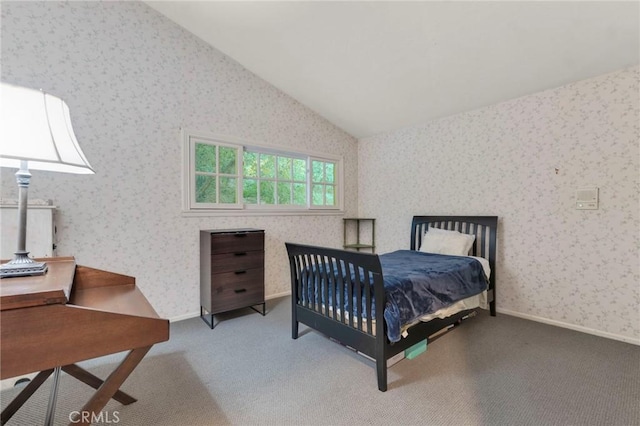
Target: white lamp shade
<point>36,127</point>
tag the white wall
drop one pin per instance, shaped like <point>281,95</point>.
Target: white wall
<point>577,268</point>
<point>132,78</point>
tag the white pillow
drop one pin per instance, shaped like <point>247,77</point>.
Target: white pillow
<point>441,241</point>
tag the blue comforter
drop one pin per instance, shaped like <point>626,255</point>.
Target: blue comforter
<point>419,283</point>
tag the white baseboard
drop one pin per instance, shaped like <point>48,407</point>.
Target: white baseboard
<point>277,295</point>
<point>185,316</point>
<point>580,328</point>
<point>197,313</point>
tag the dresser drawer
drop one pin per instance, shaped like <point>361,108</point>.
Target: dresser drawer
<point>231,290</point>
<point>237,242</point>
<point>232,262</point>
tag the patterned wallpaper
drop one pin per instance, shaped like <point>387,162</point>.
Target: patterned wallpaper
<point>523,160</point>
<point>132,78</point>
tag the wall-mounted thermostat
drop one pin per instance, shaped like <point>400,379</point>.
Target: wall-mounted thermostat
<point>587,199</point>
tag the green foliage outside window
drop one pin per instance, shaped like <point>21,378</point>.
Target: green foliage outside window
<point>205,158</point>
<point>228,190</point>
<point>272,179</point>
<point>299,194</point>
<point>284,168</point>
<point>205,189</point>
<point>250,191</point>
<point>284,193</point>
<point>267,192</point>
<point>228,160</point>
<point>323,177</point>
<point>216,174</point>
<point>299,170</point>
<point>250,164</point>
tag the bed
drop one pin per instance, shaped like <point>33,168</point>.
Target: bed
<point>354,297</point>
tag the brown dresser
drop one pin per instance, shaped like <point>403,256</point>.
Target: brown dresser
<point>231,271</point>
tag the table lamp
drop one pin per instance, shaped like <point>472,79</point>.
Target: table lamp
<point>35,133</point>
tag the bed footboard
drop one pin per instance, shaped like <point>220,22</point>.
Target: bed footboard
<point>341,294</point>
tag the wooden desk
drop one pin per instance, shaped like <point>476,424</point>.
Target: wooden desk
<point>71,314</point>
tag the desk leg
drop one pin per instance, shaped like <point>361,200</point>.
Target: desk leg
<point>110,386</point>
<point>95,382</point>
<point>23,396</point>
<point>53,396</point>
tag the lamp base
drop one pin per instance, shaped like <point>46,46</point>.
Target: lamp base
<point>21,266</point>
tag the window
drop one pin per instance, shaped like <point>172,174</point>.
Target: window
<point>224,173</point>
<point>215,174</point>
<point>323,183</point>
<point>272,179</point>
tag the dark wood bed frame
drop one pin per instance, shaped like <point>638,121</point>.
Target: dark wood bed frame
<point>309,290</point>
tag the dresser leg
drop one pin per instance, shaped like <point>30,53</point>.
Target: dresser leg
<point>264,308</point>
<point>203,315</point>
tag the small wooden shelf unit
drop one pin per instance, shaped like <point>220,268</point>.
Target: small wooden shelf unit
<point>348,222</point>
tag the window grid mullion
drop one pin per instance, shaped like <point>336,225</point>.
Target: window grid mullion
<point>217,174</point>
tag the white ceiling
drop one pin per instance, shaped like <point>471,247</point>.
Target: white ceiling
<point>370,67</point>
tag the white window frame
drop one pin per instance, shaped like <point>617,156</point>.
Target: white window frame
<point>191,207</point>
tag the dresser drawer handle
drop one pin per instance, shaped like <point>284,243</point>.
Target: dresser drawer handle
<point>240,290</point>
<point>240,272</point>
<point>240,254</point>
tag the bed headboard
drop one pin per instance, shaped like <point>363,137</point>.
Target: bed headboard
<point>483,227</point>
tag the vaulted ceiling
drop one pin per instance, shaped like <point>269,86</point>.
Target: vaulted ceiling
<point>375,66</point>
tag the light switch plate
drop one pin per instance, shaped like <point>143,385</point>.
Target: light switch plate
<point>587,198</point>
